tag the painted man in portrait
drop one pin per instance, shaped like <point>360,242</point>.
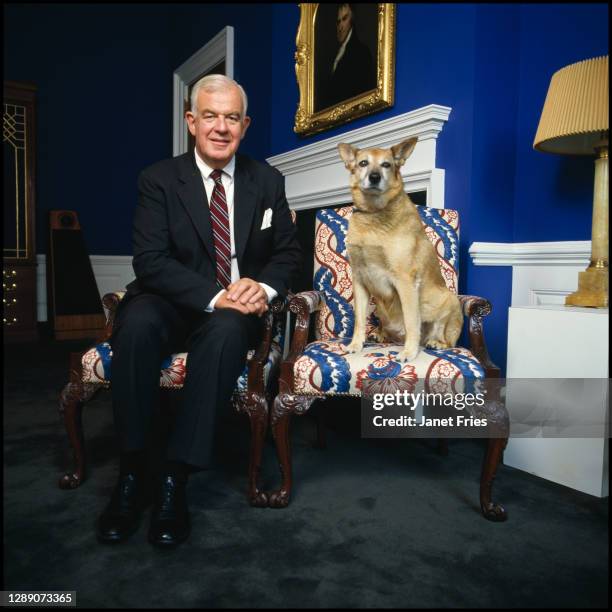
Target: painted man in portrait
<point>349,69</point>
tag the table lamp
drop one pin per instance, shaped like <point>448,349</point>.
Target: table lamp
<point>574,121</point>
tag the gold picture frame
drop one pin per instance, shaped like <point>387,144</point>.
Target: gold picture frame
<point>322,105</point>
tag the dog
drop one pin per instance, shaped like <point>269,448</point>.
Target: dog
<point>392,259</point>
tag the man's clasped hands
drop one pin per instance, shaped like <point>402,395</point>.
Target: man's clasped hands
<point>246,296</point>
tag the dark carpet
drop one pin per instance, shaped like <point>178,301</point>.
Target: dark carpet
<point>372,523</point>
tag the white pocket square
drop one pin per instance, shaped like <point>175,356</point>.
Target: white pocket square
<point>267,219</point>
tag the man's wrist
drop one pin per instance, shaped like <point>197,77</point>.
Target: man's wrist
<point>211,304</point>
<point>270,292</point>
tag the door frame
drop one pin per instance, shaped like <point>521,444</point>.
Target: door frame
<point>218,49</point>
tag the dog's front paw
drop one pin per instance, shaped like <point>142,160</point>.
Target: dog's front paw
<point>436,344</point>
<point>408,354</point>
<point>354,347</point>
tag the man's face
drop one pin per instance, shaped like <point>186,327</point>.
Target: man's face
<point>217,126</point>
<point>343,23</point>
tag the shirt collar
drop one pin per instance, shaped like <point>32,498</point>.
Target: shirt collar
<point>346,40</point>
<point>205,169</point>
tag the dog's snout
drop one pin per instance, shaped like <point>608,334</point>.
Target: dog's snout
<point>375,178</point>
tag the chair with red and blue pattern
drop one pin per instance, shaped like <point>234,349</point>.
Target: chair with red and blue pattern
<point>324,368</point>
<point>90,372</point>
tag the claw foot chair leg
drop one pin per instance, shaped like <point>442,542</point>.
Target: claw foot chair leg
<point>490,510</point>
<point>72,399</point>
<point>284,405</point>
<point>258,416</point>
<point>256,407</point>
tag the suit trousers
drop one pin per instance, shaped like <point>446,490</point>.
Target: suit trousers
<point>147,329</point>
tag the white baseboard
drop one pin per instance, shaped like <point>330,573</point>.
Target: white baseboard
<point>112,273</point>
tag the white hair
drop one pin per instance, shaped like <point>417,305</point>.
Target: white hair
<point>217,82</point>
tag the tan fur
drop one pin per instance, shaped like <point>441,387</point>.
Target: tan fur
<point>392,258</point>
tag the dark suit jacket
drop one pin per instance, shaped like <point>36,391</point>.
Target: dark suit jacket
<point>354,74</point>
<point>174,254</point>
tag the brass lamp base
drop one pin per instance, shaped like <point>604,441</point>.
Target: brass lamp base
<point>592,289</point>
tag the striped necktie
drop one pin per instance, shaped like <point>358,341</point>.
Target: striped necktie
<point>221,231</point>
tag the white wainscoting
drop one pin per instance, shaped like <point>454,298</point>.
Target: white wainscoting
<point>112,273</point>
<point>543,273</point>
<point>315,175</point>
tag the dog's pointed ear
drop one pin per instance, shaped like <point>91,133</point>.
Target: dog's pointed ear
<point>348,153</point>
<point>401,152</point>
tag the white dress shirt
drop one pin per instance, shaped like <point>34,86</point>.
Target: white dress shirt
<point>227,179</point>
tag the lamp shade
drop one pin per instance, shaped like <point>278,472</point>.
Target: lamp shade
<point>575,112</point>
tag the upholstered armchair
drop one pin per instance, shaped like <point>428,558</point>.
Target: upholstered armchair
<point>90,372</point>
<point>324,368</point>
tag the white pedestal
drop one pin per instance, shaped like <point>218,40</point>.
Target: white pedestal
<point>560,342</point>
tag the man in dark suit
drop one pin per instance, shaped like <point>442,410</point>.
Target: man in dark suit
<point>352,70</point>
<point>213,243</point>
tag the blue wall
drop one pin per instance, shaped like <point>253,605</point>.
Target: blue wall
<point>554,193</point>
<point>104,78</point>
<point>98,70</point>
<point>104,74</point>
<point>492,64</point>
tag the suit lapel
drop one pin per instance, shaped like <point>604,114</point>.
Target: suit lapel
<point>193,196</point>
<point>245,202</point>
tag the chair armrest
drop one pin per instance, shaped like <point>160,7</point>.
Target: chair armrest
<point>110,301</point>
<point>301,304</point>
<point>475,308</point>
<point>272,318</point>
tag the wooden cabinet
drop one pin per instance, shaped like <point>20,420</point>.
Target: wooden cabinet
<point>19,253</point>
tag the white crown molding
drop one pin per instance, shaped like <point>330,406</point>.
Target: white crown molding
<point>568,253</point>
<point>425,122</point>
<point>315,175</point>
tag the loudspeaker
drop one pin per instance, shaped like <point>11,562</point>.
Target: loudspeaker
<point>75,308</point>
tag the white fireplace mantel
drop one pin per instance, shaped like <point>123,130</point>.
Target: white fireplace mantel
<point>315,175</point>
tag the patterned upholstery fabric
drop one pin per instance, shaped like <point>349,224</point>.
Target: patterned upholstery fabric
<point>325,367</point>
<point>97,364</point>
<point>332,271</point>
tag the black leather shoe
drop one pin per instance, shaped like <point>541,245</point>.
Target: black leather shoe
<point>121,517</point>
<point>170,524</point>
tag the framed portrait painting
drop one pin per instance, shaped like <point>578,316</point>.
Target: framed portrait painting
<point>345,63</point>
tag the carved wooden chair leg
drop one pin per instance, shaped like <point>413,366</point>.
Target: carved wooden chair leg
<point>256,407</point>
<point>257,410</point>
<point>284,405</point>
<point>490,510</point>
<point>279,419</point>
<point>72,399</point>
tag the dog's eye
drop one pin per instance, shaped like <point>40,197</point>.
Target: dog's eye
<point>363,163</point>
<point>386,165</point>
